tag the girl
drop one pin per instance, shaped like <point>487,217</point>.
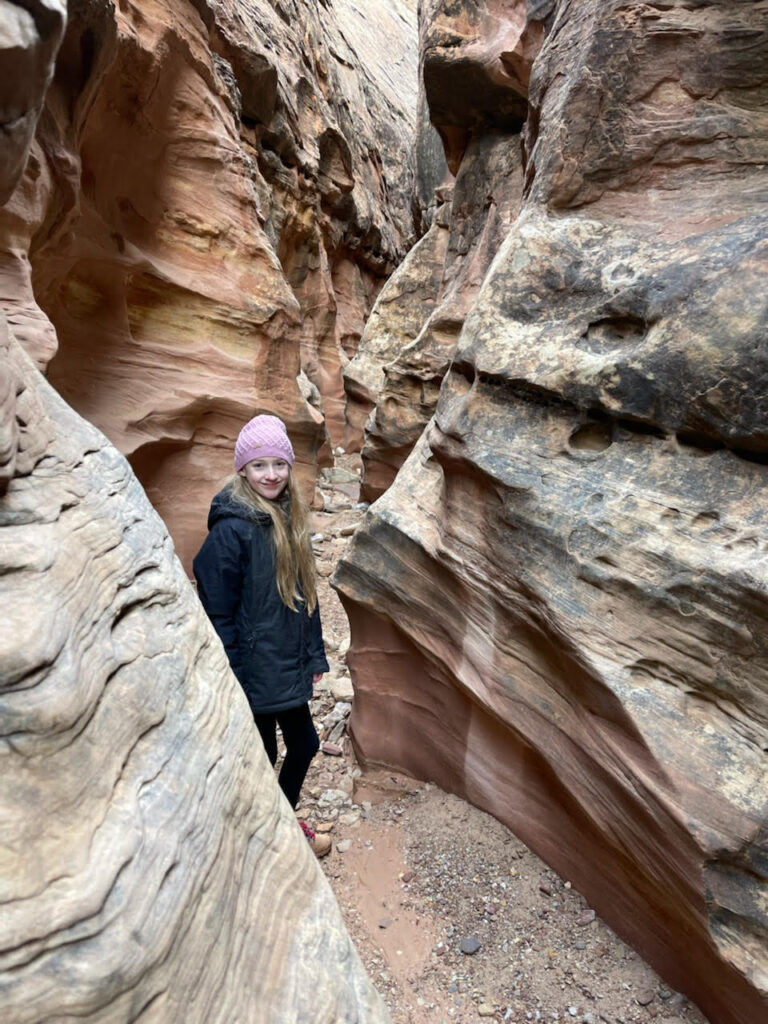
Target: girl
<point>256,579</point>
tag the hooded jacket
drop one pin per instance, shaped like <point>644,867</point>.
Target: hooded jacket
<point>273,651</point>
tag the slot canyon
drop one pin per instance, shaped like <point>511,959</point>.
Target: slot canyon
<point>509,257</point>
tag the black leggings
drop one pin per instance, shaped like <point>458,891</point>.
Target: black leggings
<point>301,745</point>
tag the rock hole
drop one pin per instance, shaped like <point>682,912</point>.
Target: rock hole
<point>705,519</point>
<point>759,458</point>
<point>698,445</point>
<point>615,330</point>
<point>591,437</point>
<point>640,427</point>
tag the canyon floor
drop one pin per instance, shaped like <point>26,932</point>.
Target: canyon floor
<point>454,917</point>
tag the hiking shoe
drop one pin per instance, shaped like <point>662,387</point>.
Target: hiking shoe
<point>321,844</point>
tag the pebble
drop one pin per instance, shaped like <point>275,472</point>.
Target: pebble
<point>385,922</point>
<point>343,845</point>
<point>469,946</point>
<point>347,531</point>
<point>341,689</point>
<point>337,732</point>
<point>645,997</point>
<point>351,817</point>
<point>546,888</point>
<point>331,748</point>
<point>585,917</point>
<point>334,798</point>
<point>486,1010</point>
<point>579,945</point>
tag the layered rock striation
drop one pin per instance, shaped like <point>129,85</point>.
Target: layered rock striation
<point>558,607</point>
<point>216,193</point>
<point>476,61</point>
<point>149,866</point>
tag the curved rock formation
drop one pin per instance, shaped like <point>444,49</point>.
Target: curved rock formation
<point>476,66</point>
<point>558,608</point>
<point>149,866</point>
<point>216,194</point>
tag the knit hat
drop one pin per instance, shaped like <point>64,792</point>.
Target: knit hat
<point>263,437</point>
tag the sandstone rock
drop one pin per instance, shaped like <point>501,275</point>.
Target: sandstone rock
<point>477,61</point>
<point>30,34</point>
<point>29,38</point>
<point>341,688</point>
<point>558,607</point>
<point>216,194</point>
<point>484,202</point>
<point>137,806</point>
<point>397,317</point>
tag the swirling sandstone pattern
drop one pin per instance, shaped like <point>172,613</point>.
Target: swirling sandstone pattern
<point>559,606</point>
<point>149,867</point>
<point>216,193</point>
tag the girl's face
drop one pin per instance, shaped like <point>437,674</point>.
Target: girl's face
<point>268,477</point>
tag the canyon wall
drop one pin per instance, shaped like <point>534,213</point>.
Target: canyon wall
<point>216,193</point>
<point>150,868</point>
<point>558,607</point>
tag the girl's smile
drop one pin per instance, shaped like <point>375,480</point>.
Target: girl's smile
<point>268,477</point>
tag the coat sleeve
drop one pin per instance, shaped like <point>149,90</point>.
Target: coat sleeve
<point>317,659</point>
<point>219,569</point>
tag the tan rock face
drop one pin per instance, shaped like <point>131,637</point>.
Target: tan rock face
<point>149,866</point>
<point>483,204</point>
<point>215,196</point>
<point>148,857</point>
<point>30,33</point>
<point>558,606</point>
<point>476,67</point>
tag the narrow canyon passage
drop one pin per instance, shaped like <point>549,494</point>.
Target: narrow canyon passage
<point>454,917</point>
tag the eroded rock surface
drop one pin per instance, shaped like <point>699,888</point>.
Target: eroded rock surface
<point>558,606</point>
<point>150,865</point>
<point>215,196</point>
<point>478,101</point>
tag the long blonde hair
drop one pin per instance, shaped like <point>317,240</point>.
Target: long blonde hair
<point>294,561</point>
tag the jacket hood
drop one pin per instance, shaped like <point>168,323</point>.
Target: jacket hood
<point>226,506</point>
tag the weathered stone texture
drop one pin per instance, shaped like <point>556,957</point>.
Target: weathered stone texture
<point>477,215</point>
<point>558,607</point>
<point>150,865</point>
<point>215,196</point>
<point>30,33</point>
<point>404,353</point>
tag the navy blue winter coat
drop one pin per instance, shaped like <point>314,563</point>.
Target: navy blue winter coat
<point>273,651</point>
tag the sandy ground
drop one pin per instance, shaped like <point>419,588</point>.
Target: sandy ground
<point>454,917</point>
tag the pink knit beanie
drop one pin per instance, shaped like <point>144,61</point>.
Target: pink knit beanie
<point>263,437</point>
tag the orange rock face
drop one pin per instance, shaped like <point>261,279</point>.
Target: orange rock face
<point>216,194</point>
<point>558,607</point>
